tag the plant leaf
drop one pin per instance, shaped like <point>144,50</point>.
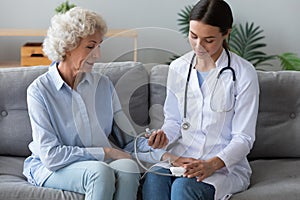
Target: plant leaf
<point>64,7</point>
<point>184,20</point>
<point>289,61</point>
<point>246,41</point>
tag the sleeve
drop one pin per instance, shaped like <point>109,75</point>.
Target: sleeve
<point>140,150</point>
<point>46,144</point>
<point>244,120</point>
<point>172,122</point>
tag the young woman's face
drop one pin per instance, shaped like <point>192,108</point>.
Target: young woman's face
<point>87,53</point>
<point>205,38</point>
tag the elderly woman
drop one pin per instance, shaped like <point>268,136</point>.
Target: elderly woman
<point>71,111</point>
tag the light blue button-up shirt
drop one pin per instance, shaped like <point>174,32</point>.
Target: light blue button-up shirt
<point>68,125</point>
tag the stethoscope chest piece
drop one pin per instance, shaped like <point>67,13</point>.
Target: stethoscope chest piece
<point>185,125</point>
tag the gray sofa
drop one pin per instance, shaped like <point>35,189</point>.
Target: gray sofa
<point>275,158</point>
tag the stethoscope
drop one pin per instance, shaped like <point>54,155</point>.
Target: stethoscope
<point>185,124</point>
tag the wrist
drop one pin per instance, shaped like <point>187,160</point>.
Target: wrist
<point>216,163</point>
<point>170,157</point>
<point>107,151</point>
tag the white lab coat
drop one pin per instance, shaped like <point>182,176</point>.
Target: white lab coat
<point>228,135</point>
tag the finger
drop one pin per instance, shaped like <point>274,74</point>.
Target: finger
<point>162,140</point>
<point>157,141</point>
<point>151,139</point>
<point>149,133</point>
<point>188,162</point>
<point>194,174</point>
<point>150,142</point>
<point>200,178</point>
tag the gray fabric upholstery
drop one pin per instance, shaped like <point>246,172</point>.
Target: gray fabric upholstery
<point>131,82</point>
<point>274,158</point>
<point>15,130</point>
<point>158,83</point>
<point>13,185</point>
<point>273,179</point>
<point>278,124</point>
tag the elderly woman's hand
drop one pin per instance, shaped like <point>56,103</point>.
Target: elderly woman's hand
<point>115,154</point>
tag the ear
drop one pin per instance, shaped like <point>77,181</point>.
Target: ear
<point>227,34</point>
<point>68,53</point>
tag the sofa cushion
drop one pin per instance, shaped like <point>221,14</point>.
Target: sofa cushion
<point>158,83</point>
<point>273,179</point>
<point>131,82</point>
<point>278,123</point>
<point>13,185</point>
<point>15,130</point>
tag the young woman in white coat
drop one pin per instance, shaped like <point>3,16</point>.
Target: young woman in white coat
<point>210,114</point>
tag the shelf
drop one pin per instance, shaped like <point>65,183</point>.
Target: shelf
<point>7,64</point>
<point>42,32</point>
<point>131,33</point>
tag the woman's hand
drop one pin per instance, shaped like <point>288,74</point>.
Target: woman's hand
<point>177,161</point>
<point>182,161</point>
<point>115,154</point>
<point>158,139</point>
<point>202,169</point>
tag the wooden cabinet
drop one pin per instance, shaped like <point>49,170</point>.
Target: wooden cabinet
<point>32,54</point>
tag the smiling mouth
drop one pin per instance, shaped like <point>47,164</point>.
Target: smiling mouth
<point>201,52</point>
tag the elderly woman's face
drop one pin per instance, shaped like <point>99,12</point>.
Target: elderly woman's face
<point>87,53</point>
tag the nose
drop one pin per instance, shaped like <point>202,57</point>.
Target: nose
<point>199,44</point>
<point>96,52</point>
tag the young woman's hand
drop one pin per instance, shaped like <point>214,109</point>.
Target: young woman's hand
<point>182,161</point>
<point>115,154</point>
<point>202,169</point>
<point>177,161</point>
<point>158,139</point>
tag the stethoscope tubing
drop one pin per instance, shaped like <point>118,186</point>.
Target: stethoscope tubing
<point>185,124</point>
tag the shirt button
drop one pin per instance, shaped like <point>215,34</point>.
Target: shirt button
<point>4,113</point>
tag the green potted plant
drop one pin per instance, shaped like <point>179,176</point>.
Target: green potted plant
<point>246,41</point>
<point>64,7</point>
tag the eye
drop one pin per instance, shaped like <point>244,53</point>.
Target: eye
<point>90,47</point>
<point>193,36</point>
<point>209,41</point>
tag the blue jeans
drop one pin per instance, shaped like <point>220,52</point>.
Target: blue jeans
<point>98,180</point>
<point>157,187</point>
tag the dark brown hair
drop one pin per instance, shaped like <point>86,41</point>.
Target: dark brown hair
<point>215,13</point>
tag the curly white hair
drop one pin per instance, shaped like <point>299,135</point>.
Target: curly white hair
<point>67,29</point>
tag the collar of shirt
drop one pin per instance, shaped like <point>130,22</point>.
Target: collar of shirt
<point>222,61</point>
<point>59,82</point>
